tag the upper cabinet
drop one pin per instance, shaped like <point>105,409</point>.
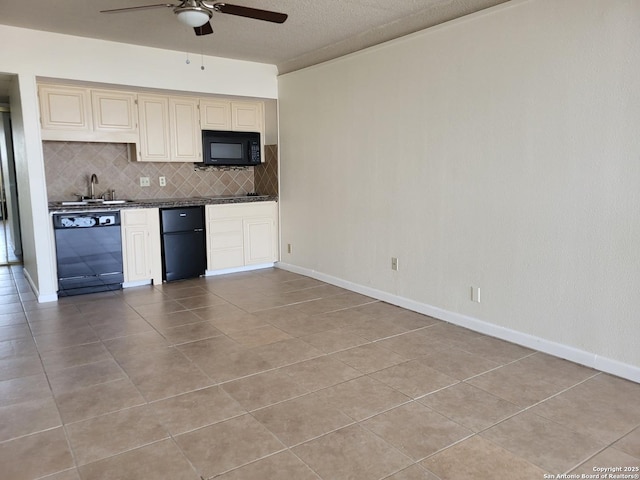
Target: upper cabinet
<point>169,129</point>
<point>115,112</point>
<point>215,114</point>
<point>65,109</point>
<point>247,117</point>
<point>163,127</point>
<point>184,130</point>
<point>239,116</point>
<point>154,128</point>
<point>84,114</point>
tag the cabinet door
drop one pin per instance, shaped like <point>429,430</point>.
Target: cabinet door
<point>184,128</point>
<point>259,240</point>
<point>65,108</point>
<point>135,251</point>
<point>215,114</point>
<point>247,116</point>
<point>241,234</point>
<point>141,245</point>
<point>114,113</point>
<point>153,112</point>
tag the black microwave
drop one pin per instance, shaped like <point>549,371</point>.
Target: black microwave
<point>230,148</point>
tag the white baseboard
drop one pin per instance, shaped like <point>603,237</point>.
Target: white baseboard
<point>247,268</point>
<point>53,297</point>
<point>138,283</point>
<point>588,359</point>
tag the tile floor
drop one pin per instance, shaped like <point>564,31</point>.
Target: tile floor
<point>272,375</point>
<point>7,254</point>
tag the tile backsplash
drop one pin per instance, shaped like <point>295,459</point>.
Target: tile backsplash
<point>266,175</point>
<point>69,165</point>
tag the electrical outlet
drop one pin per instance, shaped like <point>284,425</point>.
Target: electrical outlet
<point>144,182</point>
<point>394,263</point>
<point>475,294</point>
<point>162,181</point>
<point>289,248</point>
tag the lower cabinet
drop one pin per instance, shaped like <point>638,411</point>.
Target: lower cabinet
<point>241,234</point>
<point>238,235</point>
<point>141,245</point>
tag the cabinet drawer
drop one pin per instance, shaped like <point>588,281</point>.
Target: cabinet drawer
<point>226,233</point>
<point>240,210</point>
<point>134,217</point>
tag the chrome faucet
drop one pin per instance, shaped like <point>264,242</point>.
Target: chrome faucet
<point>93,181</point>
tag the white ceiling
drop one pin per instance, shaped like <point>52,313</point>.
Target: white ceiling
<point>316,30</point>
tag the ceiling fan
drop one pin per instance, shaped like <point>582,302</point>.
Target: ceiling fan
<point>197,13</point>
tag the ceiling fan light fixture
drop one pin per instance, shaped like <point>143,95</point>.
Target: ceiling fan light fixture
<point>193,17</point>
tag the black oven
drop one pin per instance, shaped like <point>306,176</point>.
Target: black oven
<point>230,148</point>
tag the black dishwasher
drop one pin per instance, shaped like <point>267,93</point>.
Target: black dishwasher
<point>88,252</point>
<point>183,243</point>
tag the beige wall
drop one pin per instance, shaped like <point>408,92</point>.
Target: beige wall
<point>500,151</point>
<point>35,223</point>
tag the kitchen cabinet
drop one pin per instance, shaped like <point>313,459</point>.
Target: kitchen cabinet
<point>241,235</point>
<point>169,129</point>
<point>116,113</point>
<point>73,113</point>
<point>153,112</point>
<point>260,238</point>
<point>215,114</point>
<point>247,117</point>
<point>184,129</point>
<point>141,245</point>
<point>239,116</point>
<point>160,127</point>
<point>64,109</point>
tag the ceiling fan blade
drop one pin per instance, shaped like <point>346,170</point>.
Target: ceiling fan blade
<point>141,7</point>
<point>205,29</point>
<point>248,12</point>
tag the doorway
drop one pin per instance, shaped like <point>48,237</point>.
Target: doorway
<point>10,240</point>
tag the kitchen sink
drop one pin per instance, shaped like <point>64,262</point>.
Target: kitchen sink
<point>97,201</point>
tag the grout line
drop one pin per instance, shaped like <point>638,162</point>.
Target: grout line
<point>525,409</point>
<point>220,385</point>
<point>609,445</point>
<point>26,435</point>
<point>55,400</point>
<point>252,461</point>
